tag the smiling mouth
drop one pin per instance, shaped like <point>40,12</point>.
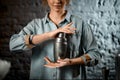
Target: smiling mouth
<point>57,5</point>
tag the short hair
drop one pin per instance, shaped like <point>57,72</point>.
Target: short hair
<point>44,2</point>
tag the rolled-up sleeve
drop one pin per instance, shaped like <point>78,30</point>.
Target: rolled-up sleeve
<point>19,42</point>
<point>90,46</point>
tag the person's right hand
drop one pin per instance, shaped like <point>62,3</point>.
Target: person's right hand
<point>66,29</point>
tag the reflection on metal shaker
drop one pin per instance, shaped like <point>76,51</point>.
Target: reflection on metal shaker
<point>60,46</point>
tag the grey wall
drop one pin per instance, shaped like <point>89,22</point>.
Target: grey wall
<point>102,15</point>
<point>104,18</point>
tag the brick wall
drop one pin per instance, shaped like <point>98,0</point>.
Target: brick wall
<point>102,15</point>
<point>14,15</point>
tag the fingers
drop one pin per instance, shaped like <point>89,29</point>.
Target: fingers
<point>52,65</point>
<point>49,66</point>
<point>59,63</point>
<point>68,29</point>
<point>47,59</point>
<point>66,60</point>
<point>69,25</point>
<point>71,29</point>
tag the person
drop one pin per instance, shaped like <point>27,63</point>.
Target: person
<point>39,36</point>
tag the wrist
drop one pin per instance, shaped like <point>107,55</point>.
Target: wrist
<point>31,39</point>
<point>69,62</point>
<point>53,34</point>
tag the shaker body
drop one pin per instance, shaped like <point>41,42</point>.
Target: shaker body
<point>60,48</point>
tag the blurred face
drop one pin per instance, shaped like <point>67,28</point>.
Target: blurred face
<point>57,5</point>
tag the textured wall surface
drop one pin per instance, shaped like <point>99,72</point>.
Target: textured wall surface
<point>104,18</point>
<point>102,15</point>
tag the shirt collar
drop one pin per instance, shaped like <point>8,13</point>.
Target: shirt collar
<point>67,17</point>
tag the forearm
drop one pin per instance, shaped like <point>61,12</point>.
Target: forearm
<point>40,38</point>
<point>79,60</point>
<point>52,34</point>
<point>65,62</point>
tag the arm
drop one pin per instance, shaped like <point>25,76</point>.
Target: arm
<point>21,41</point>
<point>79,60</point>
<point>17,41</point>
<point>90,47</point>
<point>51,35</point>
<point>91,54</point>
<point>65,62</point>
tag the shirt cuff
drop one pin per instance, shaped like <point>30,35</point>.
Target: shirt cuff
<point>89,62</point>
<point>84,59</point>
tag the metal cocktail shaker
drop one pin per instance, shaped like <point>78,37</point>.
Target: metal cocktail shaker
<point>60,46</point>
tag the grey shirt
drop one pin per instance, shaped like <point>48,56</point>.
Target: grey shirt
<point>81,42</point>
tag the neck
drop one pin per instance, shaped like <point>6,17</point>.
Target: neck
<point>57,16</point>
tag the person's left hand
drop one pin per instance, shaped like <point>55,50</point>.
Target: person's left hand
<point>59,63</point>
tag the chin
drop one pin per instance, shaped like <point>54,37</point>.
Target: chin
<point>58,10</point>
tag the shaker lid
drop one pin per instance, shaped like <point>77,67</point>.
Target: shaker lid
<point>61,34</point>
<point>61,37</point>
